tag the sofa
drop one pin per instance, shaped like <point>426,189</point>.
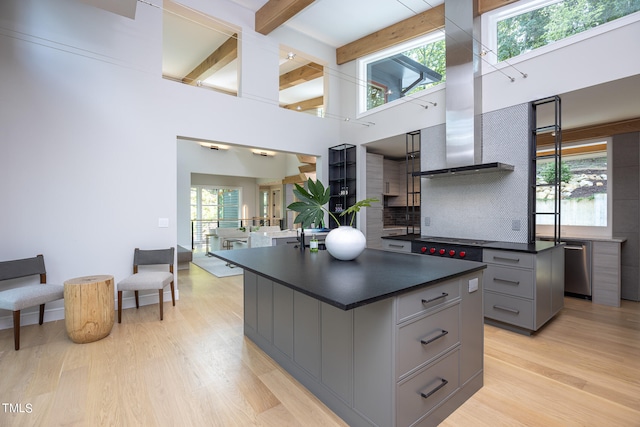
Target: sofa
<point>217,240</point>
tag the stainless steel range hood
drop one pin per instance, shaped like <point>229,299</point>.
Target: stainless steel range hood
<point>463,95</point>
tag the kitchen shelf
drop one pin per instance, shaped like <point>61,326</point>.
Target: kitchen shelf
<point>414,184</point>
<point>556,130</point>
<point>342,181</point>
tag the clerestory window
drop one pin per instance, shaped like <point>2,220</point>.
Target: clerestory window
<point>526,26</point>
<point>401,71</point>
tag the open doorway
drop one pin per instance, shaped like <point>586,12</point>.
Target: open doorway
<point>264,183</point>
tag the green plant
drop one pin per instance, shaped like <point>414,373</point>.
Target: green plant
<point>548,172</point>
<point>311,204</point>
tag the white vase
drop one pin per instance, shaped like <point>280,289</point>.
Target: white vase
<point>345,243</point>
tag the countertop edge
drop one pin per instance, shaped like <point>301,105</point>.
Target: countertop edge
<point>356,303</point>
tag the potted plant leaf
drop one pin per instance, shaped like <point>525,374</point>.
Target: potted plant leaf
<point>344,242</point>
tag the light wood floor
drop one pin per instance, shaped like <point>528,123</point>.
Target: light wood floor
<point>195,368</point>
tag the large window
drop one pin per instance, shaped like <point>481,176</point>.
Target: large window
<point>531,25</point>
<point>213,207</point>
<point>402,71</point>
<point>583,182</point>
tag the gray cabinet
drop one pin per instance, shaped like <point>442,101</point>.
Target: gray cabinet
<point>395,362</point>
<point>396,245</point>
<point>523,290</point>
<point>606,272</point>
<point>394,183</point>
<point>391,178</point>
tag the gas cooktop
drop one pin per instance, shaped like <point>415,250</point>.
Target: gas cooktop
<point>454,240</point>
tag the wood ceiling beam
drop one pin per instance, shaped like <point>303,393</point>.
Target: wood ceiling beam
<point>220,57</point>
<point>417,25</point>
<point>590,132</point>
<point>276,12</point>
<point>489,5</point>
<point>306,105</point>
<point>300,75</point>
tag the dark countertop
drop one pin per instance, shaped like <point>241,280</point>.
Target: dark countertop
<point>373,276</point>
<point>538,246</point>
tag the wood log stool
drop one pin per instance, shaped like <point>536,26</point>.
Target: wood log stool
<point>88,308</point>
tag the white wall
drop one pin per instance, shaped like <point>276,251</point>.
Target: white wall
<point>89,134</point>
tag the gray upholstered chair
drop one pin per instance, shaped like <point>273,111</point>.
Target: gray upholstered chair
<point>20,297</point>
<point>145,280</point>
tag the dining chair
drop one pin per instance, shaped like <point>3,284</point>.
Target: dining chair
<point>147,279</point>
<point>24,296</point>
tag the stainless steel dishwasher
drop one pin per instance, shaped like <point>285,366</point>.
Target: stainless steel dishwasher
<point>577,268</point>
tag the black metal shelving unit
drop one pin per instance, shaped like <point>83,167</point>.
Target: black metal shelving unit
<point>412,161</point>
<point>342,181</point>
<point>554,128</point>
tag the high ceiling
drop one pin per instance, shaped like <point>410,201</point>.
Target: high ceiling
<point>340,22</point>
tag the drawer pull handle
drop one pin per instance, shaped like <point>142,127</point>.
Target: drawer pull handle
<point>442,334</point>
<point>510,310</point>
<point>508,282</point>
<point>438,387</point>
<point>427,301</point>
<point>574,248</point>
<point>501,258</point>
<point>396,246</point>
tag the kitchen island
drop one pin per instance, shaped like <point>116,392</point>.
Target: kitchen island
<point>388,339</point>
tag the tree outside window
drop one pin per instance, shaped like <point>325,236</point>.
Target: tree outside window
<point>386,84</point>
<point>536,28</point>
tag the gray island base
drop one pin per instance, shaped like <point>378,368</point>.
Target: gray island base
<point>388,339</point>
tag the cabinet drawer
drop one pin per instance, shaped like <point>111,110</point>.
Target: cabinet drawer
<point>511,281</point>
<point>508,309</point>
<point>427,298</point>
<point>422,340</point>
<point>422,392</point>
<point>508,258</point>
<point>396,245</point>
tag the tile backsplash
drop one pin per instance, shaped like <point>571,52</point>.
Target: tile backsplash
<point>396,217</point>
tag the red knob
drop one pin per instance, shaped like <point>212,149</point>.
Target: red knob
<point>432,250</point>
<point>462,254</point>
<point>423,249</point>
<point>452,252</point>
<point>442,251</point>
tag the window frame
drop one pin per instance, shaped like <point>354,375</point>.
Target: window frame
<point>489,22</point>
<point>362,63</point>
<point>199,204</point>
<point>586,230</point>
